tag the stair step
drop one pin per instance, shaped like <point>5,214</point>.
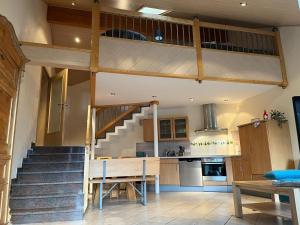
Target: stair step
<point>22,216</point>
<point>48,177</point>
<point>54,157</point>
<point>46,201</point>
<point>60,149</point>
<point>52,166</point>
<point>49,188</point>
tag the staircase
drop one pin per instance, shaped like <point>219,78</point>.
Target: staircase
<point>49,186</point>
<point>121,124</point>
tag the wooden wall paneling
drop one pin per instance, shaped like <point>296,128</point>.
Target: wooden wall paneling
<point>95,37</point>
<point>282,61</point>
<point>280,145</point>
<point>12,61</point>
<point>259,148</point>
<point>148,131</point>
<point>197,45</point>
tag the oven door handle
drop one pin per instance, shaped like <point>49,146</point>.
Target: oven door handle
<point>211,163</point>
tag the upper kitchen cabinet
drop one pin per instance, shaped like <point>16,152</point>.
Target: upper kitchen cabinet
<point>180,126</point>
<point>168,129</point>
<point>165,129</point>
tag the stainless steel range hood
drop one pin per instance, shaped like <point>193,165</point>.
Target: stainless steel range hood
<point>210,119</point>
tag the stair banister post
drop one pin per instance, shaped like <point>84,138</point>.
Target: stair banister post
<point>93,141</point>
<point>155,142</point>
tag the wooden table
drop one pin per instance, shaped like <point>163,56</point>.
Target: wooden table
<point>275,208</point>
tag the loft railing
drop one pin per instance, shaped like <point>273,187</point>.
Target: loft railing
<point>145,29</point>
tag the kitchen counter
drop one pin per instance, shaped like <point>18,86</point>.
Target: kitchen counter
<point>198,156</point>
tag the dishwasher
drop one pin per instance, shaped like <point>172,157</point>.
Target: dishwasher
<point>190,172</point>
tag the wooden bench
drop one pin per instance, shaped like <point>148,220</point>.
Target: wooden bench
<point>275,208</point>
<point>126,170</point>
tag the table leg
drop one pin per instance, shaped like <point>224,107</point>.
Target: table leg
<point>237,201</point>
<point>295,205</point>
<point>100,195</point>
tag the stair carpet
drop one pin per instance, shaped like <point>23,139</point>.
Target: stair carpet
<point>49,186</point>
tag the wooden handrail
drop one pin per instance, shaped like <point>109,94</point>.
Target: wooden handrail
<point>125,104</point>
<point>116,120</point>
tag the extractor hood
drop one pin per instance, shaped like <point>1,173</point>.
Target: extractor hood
<point>210,119</point>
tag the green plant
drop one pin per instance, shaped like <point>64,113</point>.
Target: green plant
<point>278,116</point>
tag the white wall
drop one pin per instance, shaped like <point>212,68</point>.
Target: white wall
<point>28,18</point>
<point>277,98</point>
<point>76,114</point>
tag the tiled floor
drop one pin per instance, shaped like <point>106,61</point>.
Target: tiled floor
<point>177,209</point>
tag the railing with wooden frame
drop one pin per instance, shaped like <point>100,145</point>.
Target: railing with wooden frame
<point>196,34</point>
<point>110,116</point>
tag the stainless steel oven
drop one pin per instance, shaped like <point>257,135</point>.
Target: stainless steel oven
<point>214,169</point>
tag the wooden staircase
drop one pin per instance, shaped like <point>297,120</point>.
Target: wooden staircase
<point>113,118</point>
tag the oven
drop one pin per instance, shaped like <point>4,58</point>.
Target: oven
<point>214,169</point>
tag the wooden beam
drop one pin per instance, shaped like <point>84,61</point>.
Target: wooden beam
<point>95,37</point>
<point>197,45</point>
<point>282,61</point>
<point>93,89</point>
<point>238,80</point>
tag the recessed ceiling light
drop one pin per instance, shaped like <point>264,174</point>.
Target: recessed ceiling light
<point>77,39</point>
<point>191,99</point>
<point>243,4</point>
<point>112,94</point>
<point>149,10</point>
<point>73,3</point>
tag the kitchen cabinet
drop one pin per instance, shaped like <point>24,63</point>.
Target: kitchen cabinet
<point>169,172</point>
<point>180,126</point>
<point>263,148</point>
<point>168,129</point>
<point>148,130</point>
<point>165,129</point>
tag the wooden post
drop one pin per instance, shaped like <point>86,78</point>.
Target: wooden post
<point>284,83</point>
<point>94,66</point>
<point>197,46</point>
<point>93,88</point>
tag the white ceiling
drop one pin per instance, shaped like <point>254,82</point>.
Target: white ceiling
<point>263,12</point>
<point>170,92</point>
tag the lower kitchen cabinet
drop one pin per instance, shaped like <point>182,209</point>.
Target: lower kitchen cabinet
<point>169,172</point>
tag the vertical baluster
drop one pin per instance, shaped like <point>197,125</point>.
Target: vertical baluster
<point>255,48</point>
<point>146,21</point>
<point>177,35</point>
<point>126,26</point>
<point>133,27</point>
<point>204,37</point>
<point>140,28</point>
<point>165,28</point>
<point>153,31</point>
<point>209,38</point>
<point>160,33</point>
<point>257,41</point>
<point>183,34</point>
<point>189,34</point>
<point>119,26</point>
<point>171,29</point>
<point>215,39</point>
<point>113,25</point>
<point>105,24</point>
<point>264,45</point>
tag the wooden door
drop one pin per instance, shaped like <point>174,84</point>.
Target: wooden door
<point>56,111</point>
<point>11,62</point>
<point>180,126</point>
<point>260,155</point>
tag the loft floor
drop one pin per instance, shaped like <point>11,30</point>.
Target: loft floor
<point>177,209</point>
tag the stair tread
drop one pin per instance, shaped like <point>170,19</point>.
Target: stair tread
<point>51,162</point>
<point>62,153</point>
<point>48,183</point>
<point>46,196</point>
<point>54,171</point>
<point>44,210</point>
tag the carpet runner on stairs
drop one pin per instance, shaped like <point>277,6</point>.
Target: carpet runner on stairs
<point>49,186</point>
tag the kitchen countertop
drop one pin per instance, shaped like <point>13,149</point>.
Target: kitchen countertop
<point>198,156</point>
